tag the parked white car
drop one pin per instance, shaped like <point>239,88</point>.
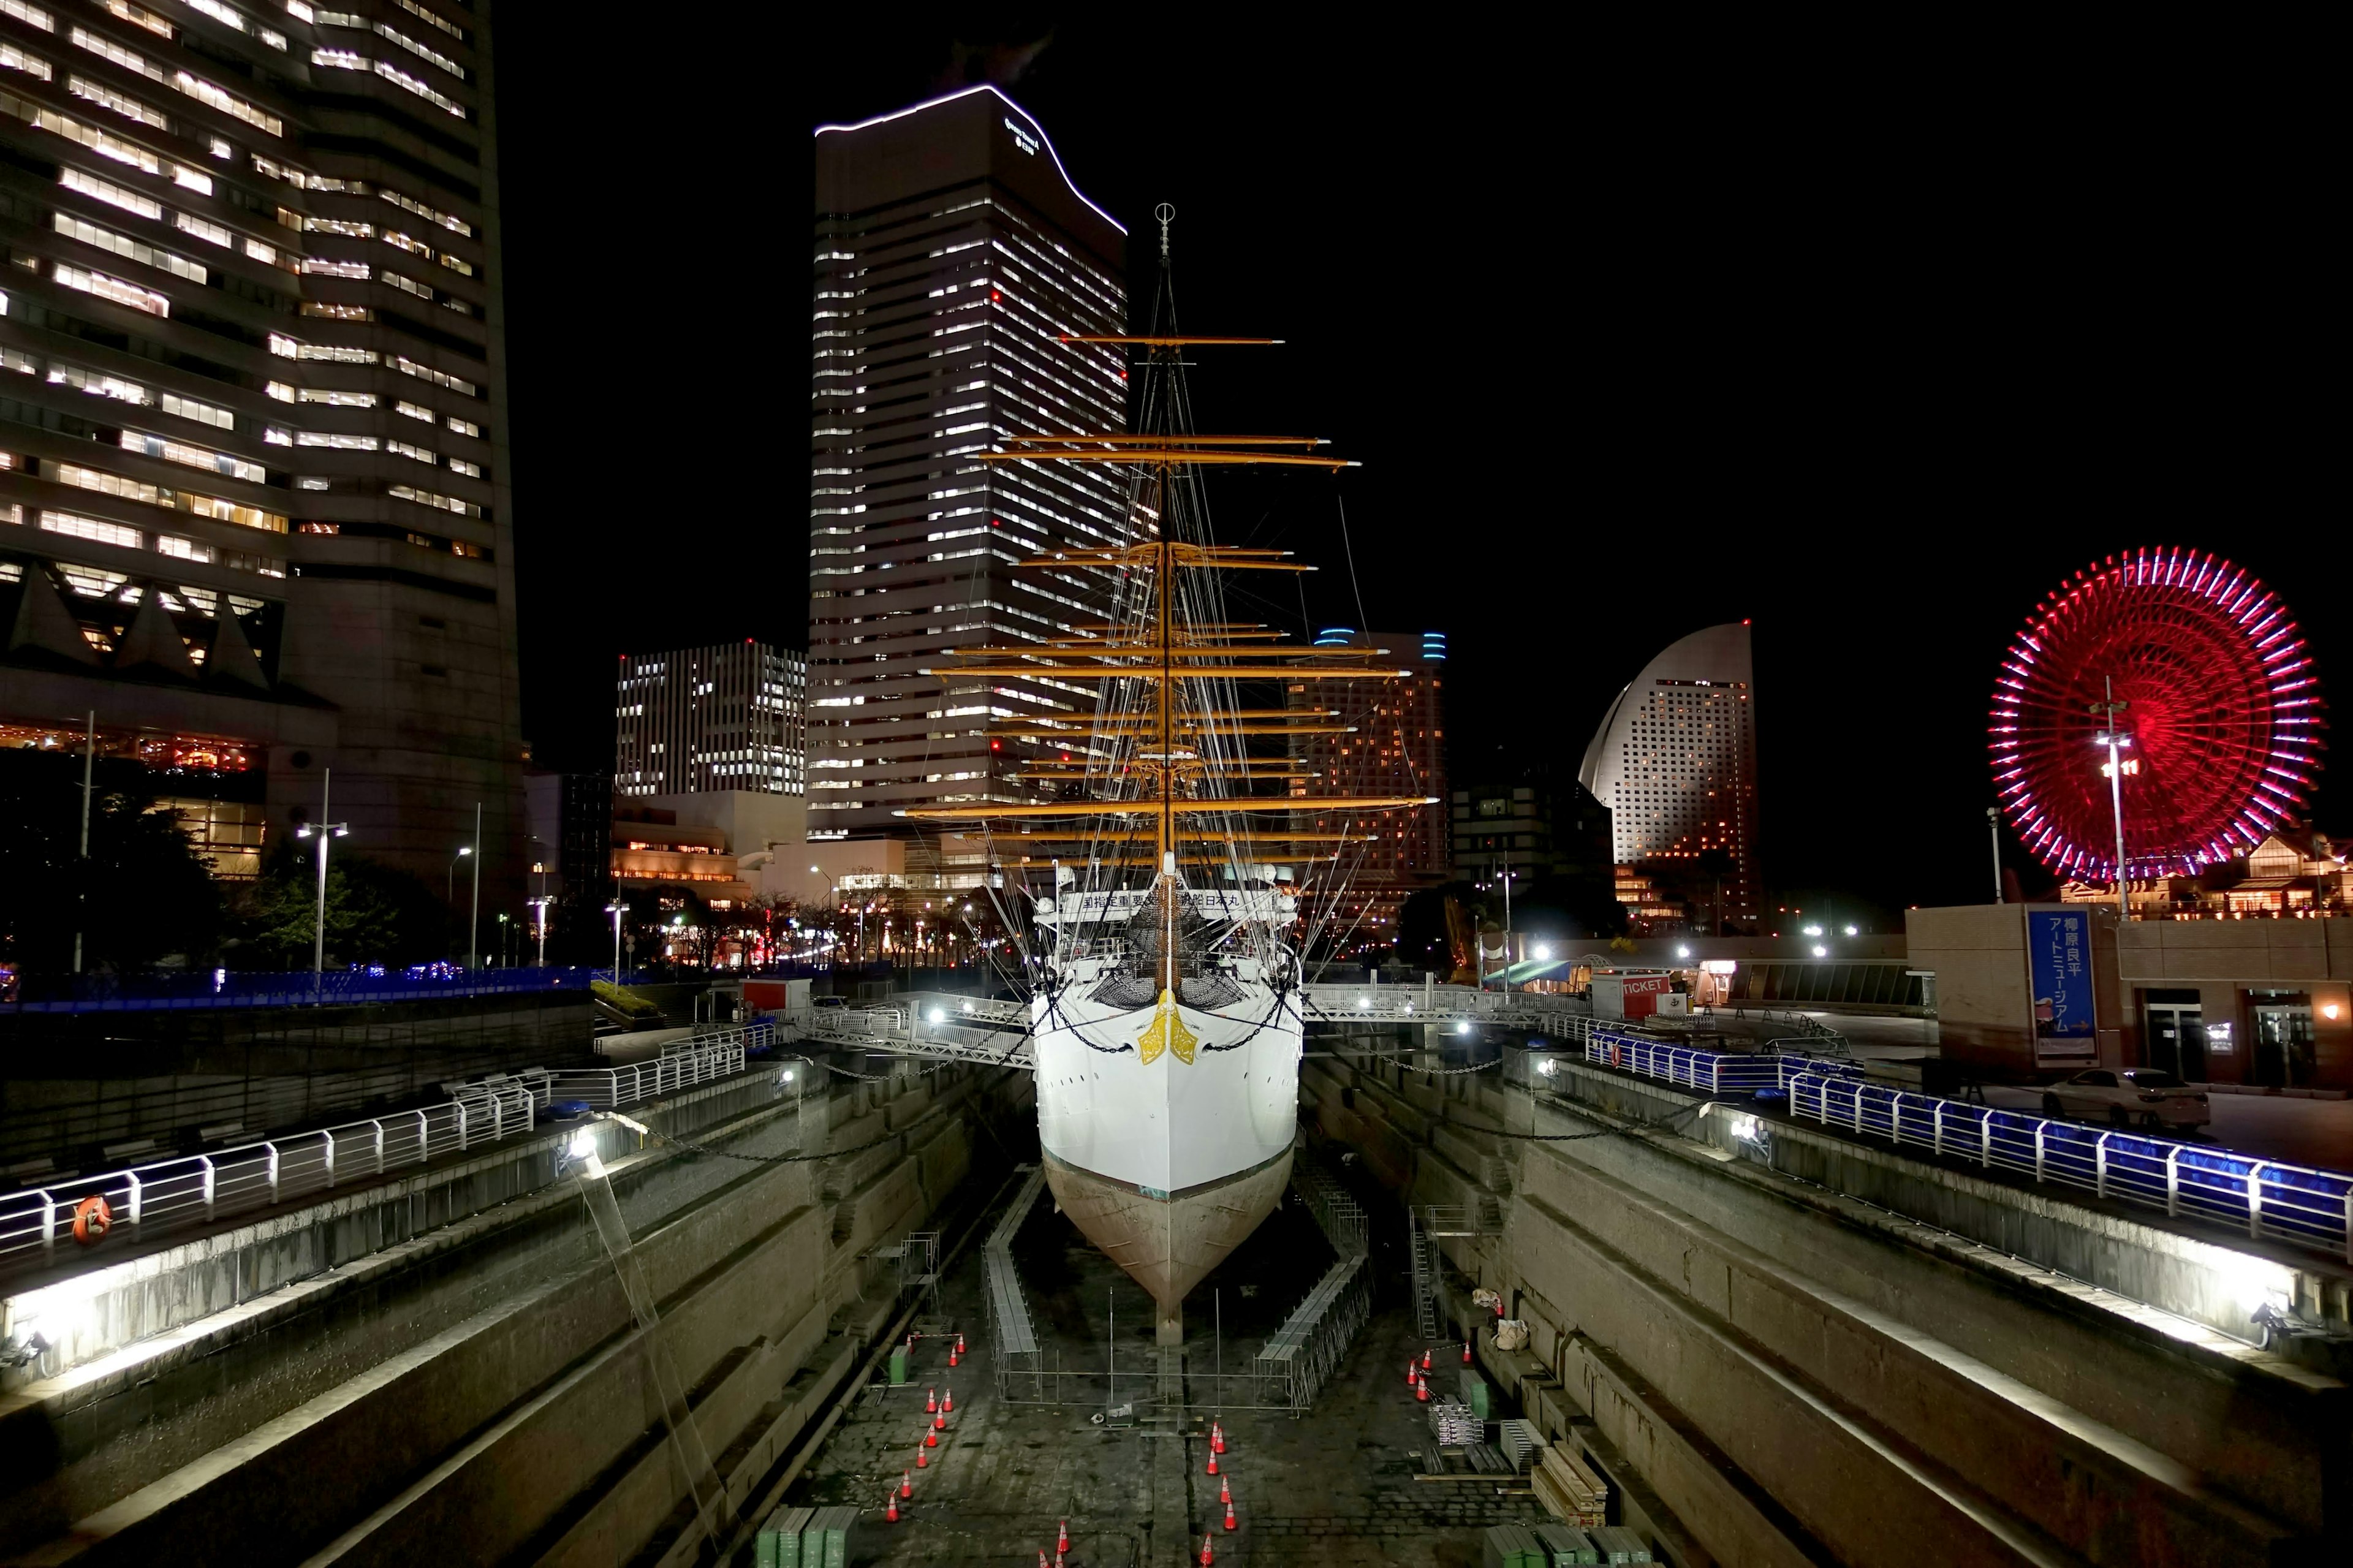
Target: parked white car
<point>2132,1097</point>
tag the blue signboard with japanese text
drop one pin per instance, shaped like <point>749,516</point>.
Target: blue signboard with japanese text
<point>2059,970</point>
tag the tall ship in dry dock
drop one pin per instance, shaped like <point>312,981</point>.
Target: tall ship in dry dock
<point>1165,974</point>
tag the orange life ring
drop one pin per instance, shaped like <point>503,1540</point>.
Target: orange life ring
<point>93,1218</point>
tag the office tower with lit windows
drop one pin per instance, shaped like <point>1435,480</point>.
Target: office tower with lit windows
<point>702,719</point>
<point>253,499</point>
<point>1675,761</point>
<point>1392,743</point>
<point>953,258</point>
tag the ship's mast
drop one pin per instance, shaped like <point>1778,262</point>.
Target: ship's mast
<point>1190,749</point>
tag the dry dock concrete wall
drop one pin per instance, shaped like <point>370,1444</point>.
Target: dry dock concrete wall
<point>1799,1377</point>
<point>484,1393</point>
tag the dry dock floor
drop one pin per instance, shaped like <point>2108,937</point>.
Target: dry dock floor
<point>1333,1486</point>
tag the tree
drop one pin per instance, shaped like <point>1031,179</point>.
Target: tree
<point>144,892</point>
<point>374,914</point>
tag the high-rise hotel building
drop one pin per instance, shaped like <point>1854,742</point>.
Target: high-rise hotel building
<point>697,720</point>
<point>253,490</point>
<point>1675,761</point>
<point>953,257</point>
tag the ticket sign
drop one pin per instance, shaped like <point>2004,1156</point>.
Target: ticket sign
<point>2059,974</point>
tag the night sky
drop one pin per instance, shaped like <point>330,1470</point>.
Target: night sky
<point>1631,341</point>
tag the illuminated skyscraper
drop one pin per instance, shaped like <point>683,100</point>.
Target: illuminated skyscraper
<point>1394,744</point>
<point>1675,761</point>
<point>698,720</point>
<point>253,499</point>
<point>953,257</point>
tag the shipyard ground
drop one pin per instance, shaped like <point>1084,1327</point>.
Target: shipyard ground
<point>1336,1486</point>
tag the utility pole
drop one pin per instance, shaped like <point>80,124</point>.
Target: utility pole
<point>1994,826</point>
<point>326,830</point>
<point>474,920</point>
<point>82,882</point>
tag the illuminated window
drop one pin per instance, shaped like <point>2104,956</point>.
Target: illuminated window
<point>336,440</point>
<point>31,15</point>
<point>337,312</point>
<point>74,474</point>
<point>336,353</point>
<point>327,266</point>
<point>202,413</point>
<point>211,232</point>
<point>414,9</point>
<point>108,49</point>
<point>128,106</point>
<point>439,378</point>
<point>472,470</point>
<point>344,227</point>
<point>114,289</point>
<point>464,426</point>
<point>221,510</point>
<point>99,383</point>
<point>180,549</point>
<point>262,252</point>
<point>409,284</point>
<point>438,501</point>
<point>337,399</point>
<point>417,454</point>
<point>15,58</point>
<point>122,245</point>
<point>173,451</point>
<point>228,103</point>
<point>77,527</point>
<point>411,205</point>
<point>139,17</point>
<point>415,411</point>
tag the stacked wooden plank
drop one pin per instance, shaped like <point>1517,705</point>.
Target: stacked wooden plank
<point>1570,1489</point>
<point>1570,1548</point>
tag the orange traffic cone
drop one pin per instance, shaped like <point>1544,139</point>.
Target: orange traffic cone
<point>1063,1539</point>
<point>1217,1437</point>
<point>1225,1491</point>
<point>1229,1513</point>
<point>954,1356</point>
<point>1466,1352</point>
<point>947,1402</point>
<point>891,1513</point>
<point>1422,1391</point>
<point>1411,1371</point>
<point>1213,1464</point>
<point>1041,1560</point>
<point>1425,1359</point>
<point>1058,1560</point>
<point>931,1402</point>
<point>921,1462</point>
<point>906,1484</point>
<point>959,1350</point>
<point>1207,1556</point>
<point>932,1439</point>
<point>940,1422</point>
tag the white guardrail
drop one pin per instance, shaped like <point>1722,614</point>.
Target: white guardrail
<point>2269,1199</point>
<point>201,1188</point>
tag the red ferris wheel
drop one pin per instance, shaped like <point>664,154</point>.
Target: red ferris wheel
<point>2222,716</point>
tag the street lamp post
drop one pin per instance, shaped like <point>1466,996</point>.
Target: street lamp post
<point>474,921</point>
<point>616,909</point>
<point>450,878</point>
<point>540,904</point>
<point>326,831</point>
<point>2115,741</point>
<point>1994,826</point>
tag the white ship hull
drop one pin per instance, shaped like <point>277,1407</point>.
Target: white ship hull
<point>1166,1164</point>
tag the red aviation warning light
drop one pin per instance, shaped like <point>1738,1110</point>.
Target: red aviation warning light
<point>2221,704</point>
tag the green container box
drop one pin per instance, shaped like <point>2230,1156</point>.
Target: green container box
<point>899,1366</point>
<point>1475,1394</point>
